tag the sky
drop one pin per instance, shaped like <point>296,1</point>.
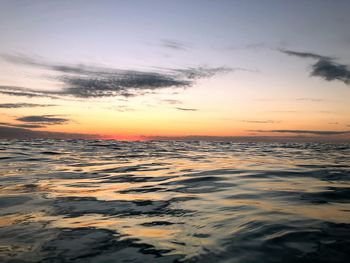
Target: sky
<point>134,70</point>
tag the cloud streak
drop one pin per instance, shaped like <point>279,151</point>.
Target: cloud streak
<point>325,67</point>
<point>310,99</point>
<point>304,54</point>
<point>312,132</point>
<point>25,92</point>
<point>23,105</point>
<point>43,119</point>
<point>24,125</point>
<point>260,122</point>
<point>173,44</point>
<point>93,82</point>
<point>186,109</point>
<point>22,133</point>
<point>171,101</point>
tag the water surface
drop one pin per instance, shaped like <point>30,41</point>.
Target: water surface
<point>109,201</point>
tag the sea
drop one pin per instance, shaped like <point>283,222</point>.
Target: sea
<point>173,201</point>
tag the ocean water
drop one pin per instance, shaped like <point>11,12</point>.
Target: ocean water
<point>110,201</point>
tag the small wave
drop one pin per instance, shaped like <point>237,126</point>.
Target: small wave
<point>109,201</point>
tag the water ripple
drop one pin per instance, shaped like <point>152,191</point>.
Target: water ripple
<point>109,201</point>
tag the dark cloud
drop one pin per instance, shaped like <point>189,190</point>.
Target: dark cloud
<point>186,109</point>
<point>43,119</point>
<point>204,72</point>
<point>330,70</point>
<point>24,125</point>
<point>333,123</point>
<point>21,133</point>
<point>313,132</point>
<point>304,54</point>
<point>23,105</point>
<point>89,82</point>
<point>127,84</point>
<point>325,67</point>
<point>260,122</point>
<point>173,44</point>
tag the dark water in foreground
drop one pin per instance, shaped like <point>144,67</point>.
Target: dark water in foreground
<point>95,201</point>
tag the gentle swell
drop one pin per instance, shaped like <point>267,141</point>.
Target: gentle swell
<point>109,201</point>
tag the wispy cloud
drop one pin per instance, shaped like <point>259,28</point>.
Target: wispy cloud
<point>186,109</point>
<point>260,121</point>
<point>174,44</point>
<point>26,92</point>
<point>304,54</point>
<point>172,102</point>
<point>91,82</point>
<point>23,105</point>
<point>325,67</point>
<point>251,138</point>
<point>43,119</point>
<point>122,108</point>
<point>310,99</point>
<point>313,132</point>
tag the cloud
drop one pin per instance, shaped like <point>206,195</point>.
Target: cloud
<point>91,82</point>
<point>260,122</point>
<point>186,109</point>
<point>330,70</point>
<point>173,44</point>
<point>250,138</point>
<point>172,102</point>
<point>325,67</point>
<point>313,132</point>
<point>23,105</point>
<point>31,126</point>
<point>43,119</point>
<point>25,92</point>
<point>21,133</point>
<point>310,99</point>
<point>125,84</point>
<point>36,121</point>
<point>304,54</point>
<point>204,72</point>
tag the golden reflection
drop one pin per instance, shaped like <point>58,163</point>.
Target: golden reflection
<point>8,220</point>
<point>150,232</point>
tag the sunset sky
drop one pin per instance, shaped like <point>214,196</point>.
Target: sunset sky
<point>158,69</point>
